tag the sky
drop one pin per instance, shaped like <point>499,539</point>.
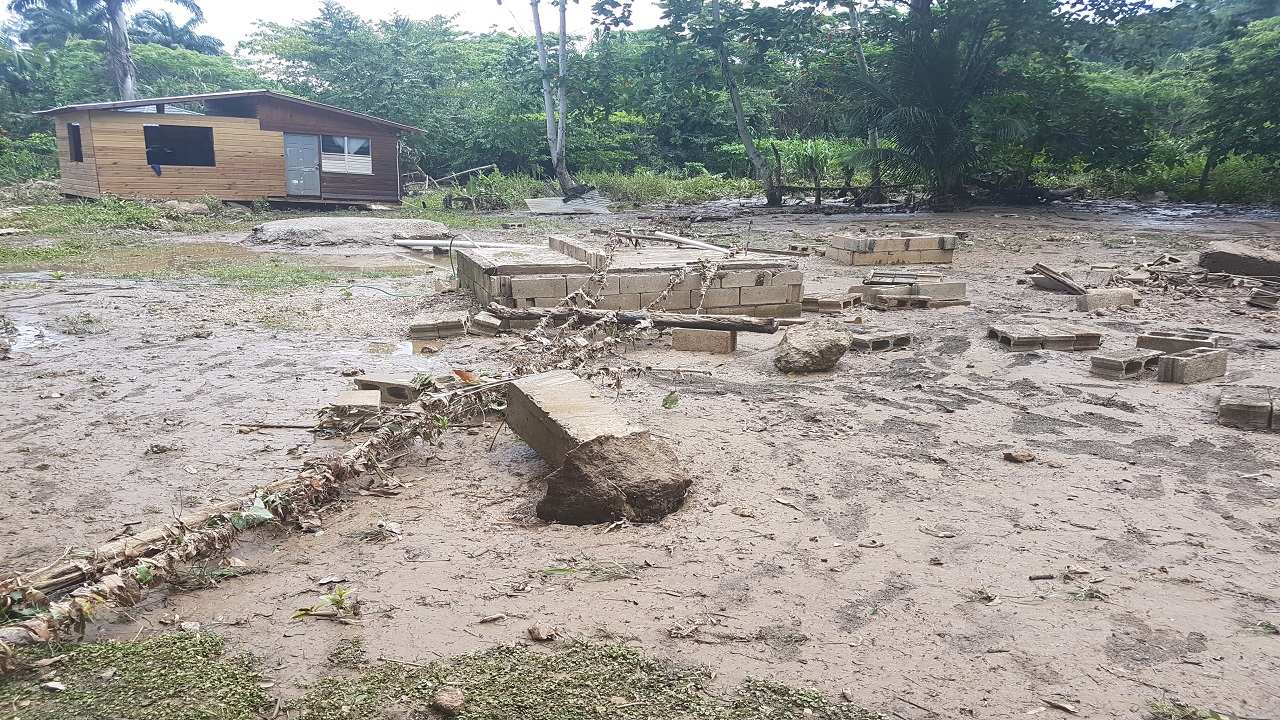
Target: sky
<point>232,20</point>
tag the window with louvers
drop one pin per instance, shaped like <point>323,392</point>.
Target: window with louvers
<point>346,154</point>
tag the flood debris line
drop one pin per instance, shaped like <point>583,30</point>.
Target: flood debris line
<point>120,572</point>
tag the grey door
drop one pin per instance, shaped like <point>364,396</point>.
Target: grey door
<point>302,163</point>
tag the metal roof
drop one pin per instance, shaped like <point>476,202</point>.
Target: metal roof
<point>125,104</point>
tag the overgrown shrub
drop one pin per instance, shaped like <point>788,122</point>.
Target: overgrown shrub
<point>31,158</point>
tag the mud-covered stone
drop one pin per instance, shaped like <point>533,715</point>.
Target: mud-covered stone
<point>1238,259</point>
<point>813,347</point>
<point>631,477</point>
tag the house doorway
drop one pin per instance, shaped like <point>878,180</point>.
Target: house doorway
<point>302,164</point>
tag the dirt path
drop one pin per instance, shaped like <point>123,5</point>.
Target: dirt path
<point>856,531</point>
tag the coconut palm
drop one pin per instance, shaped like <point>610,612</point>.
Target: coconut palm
<point>115,19</point>
<point>54,22</point>
<point>159,27</point>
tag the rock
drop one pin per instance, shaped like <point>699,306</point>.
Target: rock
<point>813,347</point>
<point>1238,259</point>
<point>54,686</point>
<point>1019,456</point>
<point>344,231</point>
<point>630,477</point>
<point>541,632</point>
<point>448,700</point>
<point>182,207</point>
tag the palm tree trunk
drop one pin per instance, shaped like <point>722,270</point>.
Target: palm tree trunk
<point>119,58</point>
<point>555,122</point>
<point>759,167</point>
<point>875,193</point>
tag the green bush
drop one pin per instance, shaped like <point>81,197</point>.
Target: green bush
<point>32,158</point>
<point>647,186</point>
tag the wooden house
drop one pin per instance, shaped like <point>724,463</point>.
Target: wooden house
<point>240,145</point>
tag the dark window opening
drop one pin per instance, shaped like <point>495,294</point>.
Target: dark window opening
<point>179,145</point>
<point>74,143</point>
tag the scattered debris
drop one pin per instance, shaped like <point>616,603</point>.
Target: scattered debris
<point>330,230</point>
<point>590,203</point>
<point>1265,299</point>
<point>448,327</point>
<point>868,340</point>
<point>830,303</point>
<point>391,389</point>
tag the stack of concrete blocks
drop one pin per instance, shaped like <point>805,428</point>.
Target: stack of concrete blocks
<point>1250,408</point>
<point>1023,337</point>
<point>901,290</point>
<point>1192,366</point>
<point>637,278</point>
<point>902,248</point>
<point>1124,364</point>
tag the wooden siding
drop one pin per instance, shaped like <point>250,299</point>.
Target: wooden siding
<point>383,184</point>
<point>78,178</point>
<point>249,161</point>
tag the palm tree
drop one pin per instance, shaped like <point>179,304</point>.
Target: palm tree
<point>159,27</point>
<point>54,22</point>
<point>119,58</point>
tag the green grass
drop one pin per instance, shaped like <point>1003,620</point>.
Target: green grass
<point>646,186</point>
<point>577,682</point>
<point>167,677</point>
<point>269,275</point>
<point>87,217</point>
<point>1178,711</point>
<point>62,251</point>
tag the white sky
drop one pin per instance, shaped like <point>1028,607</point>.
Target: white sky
<point>231,20</point>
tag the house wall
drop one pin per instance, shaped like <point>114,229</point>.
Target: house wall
<point>78,178</point>
<point>249,160</point>
<point>383,184</point>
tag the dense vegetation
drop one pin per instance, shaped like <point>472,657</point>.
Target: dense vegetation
<point>956,96</point>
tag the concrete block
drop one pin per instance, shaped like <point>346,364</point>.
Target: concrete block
<point>795,293</point>
<point>1017,337</point>
<point>524,302</point>
<point>533,286</point>
<point>365,399</point>
<point>675,300</point>
<point>844,257</point>
<point>629,301</point>
<point>1124,364</point>
<point>426,347</point>
<point>449,326</point>
<point>643,283</point>
<point>1107,298</point>
<point>745,278</point>
<point>870,292</point>
<point>1247,408</point>
<point>941,290</point>
<point>887,301</point>
<point>897,257</point>
<point>717,298</point>
<point>764,295</point>
<point>483,323</point>
<point>787,277</point>
<point>937,257</point>
<point>781,310</point>
<point>830,303</point>
<point>878,341</point>
<point>608,285</point>
<point>707,341</point>
<point>556,412</point>
<point>1192,366</point>
<point>1172,341</point>
<point>393,389</point>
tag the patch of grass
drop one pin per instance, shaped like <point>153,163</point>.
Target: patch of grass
<point>1179,711</point>
<point>62,251</point>
<point>81,323</point>
<point>87,216</point>
<point>579,682</point>
<point>168,677</point>
<point>268,275</point>
<point>348,653</point>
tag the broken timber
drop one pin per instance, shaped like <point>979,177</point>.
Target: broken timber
<point>741,323</point>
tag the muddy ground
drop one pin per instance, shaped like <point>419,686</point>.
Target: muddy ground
<point>857,531</point>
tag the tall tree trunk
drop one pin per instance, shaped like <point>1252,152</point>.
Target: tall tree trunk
<point>759,167</point>
<point>1210,163</point>
<point>119,58</point>
<point>875,193</point>
<point>555,121</point>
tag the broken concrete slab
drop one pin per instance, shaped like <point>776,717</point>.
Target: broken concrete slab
<point>1239,259</point>
<point>1265,299</point>
<point>361,399</point>
<point>556,412</point>
<point>1192,366</point>
<point>707,341</point>
<point>1099,299</point>
<point>1124,364</point>
<point>815,346</point>
<point>1172,341</point>
<point>1248,408</point>
<point>484,323</point>
<point>940,291</point>
<point>394,389</point>
<point>632,477</point>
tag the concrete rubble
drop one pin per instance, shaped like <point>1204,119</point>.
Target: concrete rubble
<point>1249,408</point>
<point>1238,259</point>
<point>1192,366</point>
<point>815,346</point>
<point>607,468</point>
